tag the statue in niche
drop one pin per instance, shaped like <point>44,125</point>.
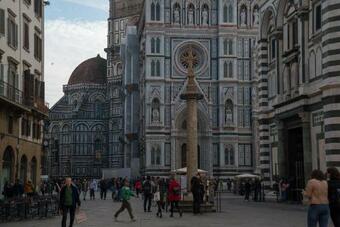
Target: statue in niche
<point>243,17</point>
<point>155,115</point>
<point>191,16</point>
<point>228,112</point>
<point>177,15</point>
<point>256,16</point>
<point>205,16</point>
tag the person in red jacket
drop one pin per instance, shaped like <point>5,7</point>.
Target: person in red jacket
<point>174,196</point>
<point>138,187</point>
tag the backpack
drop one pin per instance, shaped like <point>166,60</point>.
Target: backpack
<point>147,187</point>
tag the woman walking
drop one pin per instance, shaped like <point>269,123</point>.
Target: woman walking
<point>334,194</point>
<point>174,193</point>
<point>317,193</point>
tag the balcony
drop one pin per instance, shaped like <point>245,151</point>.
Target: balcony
<point>10,93</point>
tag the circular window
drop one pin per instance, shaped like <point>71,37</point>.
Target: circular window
<point>200,57</point>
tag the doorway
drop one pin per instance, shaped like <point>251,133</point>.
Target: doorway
<point>295,163</point>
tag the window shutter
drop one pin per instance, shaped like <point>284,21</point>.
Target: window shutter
<point>16,36</point>
<point>2,21</point>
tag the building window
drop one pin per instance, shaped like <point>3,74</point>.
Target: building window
<point>37,47</point>
<point>228,69</point>
<point>155,155</point>
<point>155,68</point>
<point>155,45</point>
<point>244,107</point>
<point>26,36</point>
<point>244,155</point>
<point>155,11</point>
<point>38,7</point>
<point>317,17</point>
<point>228,47</point>
<point>229,157</point>
<point>12,33</point>
<point>272,49</point>
<point>2,22</point>
<point>216,150</point>
<point>228,13</point>
<point>10,124</point>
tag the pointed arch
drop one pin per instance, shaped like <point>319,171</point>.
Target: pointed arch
<point>229,155</point>
<point>152,45</point>
<point>153,11</point>
<point>158,45</point>
<point>158,11</point>
<point>312,65</point>
<point>231,14</point>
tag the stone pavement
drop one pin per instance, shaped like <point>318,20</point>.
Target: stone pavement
<point>235,213</point>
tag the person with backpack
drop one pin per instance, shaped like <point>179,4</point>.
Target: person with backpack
<point>147,191</point>
<point>126,194</point>
<point>174,193</point>
<point>334,194</point>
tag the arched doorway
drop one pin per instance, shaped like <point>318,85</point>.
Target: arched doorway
<point>34,171</point>
<point>7,172</point>
<point>23,168</point>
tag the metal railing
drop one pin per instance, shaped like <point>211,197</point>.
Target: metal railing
<point>28,208</point>
<point>10,92</point>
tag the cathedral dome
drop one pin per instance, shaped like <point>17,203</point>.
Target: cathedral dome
<point>91,71</point>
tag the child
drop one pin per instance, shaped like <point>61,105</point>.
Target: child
<point>126,194</point>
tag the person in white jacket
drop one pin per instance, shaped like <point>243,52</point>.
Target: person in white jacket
<point>93,188</point>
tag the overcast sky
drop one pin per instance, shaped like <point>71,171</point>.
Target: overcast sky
<point>75,30</point>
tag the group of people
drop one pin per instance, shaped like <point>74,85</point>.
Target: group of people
<point>253,187</point>
<point>323,197</point>
<point>18,189</point>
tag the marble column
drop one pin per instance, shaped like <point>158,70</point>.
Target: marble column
<point>191,95</point>
<point>307,149</point>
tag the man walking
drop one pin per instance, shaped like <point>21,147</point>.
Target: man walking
<point>69,199</point>
<point>103,188</point>
<point>84,188</point>
<point>147,190</point>
<point>126,194</point>
<point>93,188</point>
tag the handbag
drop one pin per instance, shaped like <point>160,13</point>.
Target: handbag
<point>157,196</point>
<point>81,216</point>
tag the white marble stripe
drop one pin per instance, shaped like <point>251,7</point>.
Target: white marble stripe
<point>332,146</point>
<point>332,134</point>
<point>333,106</point>
<point>328,69</point>
<point>332,120</point>
<point>332,158</point>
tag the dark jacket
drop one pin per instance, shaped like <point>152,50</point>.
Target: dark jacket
<point>334,193</point>
<point>75,197</point>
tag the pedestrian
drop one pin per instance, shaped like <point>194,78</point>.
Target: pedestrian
<point>334,194</point>
<point>138,187</point>
<point>93,188</point>
<point>147,191</point>
<point>197,194</point>
<point>29,188</point>
<point>84,188</point>
<point>174,194</point>
<point>69,199</point>
<point>247,190</point>
<point>103,188</point>
<point>126,194</point>
<point>317,193</point>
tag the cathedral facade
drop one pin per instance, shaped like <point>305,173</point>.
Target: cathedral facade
<point>223,35</point>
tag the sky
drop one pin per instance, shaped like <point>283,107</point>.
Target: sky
<point>75,30</point>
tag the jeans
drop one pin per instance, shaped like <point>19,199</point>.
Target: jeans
<point>318,214</point>
<point>125,205</point>
<point>65,210</point>
<point>147,201</point>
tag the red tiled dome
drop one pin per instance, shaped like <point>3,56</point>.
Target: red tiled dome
<point>91,71</point>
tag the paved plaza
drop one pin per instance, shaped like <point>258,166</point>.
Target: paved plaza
<point>235,213</point>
